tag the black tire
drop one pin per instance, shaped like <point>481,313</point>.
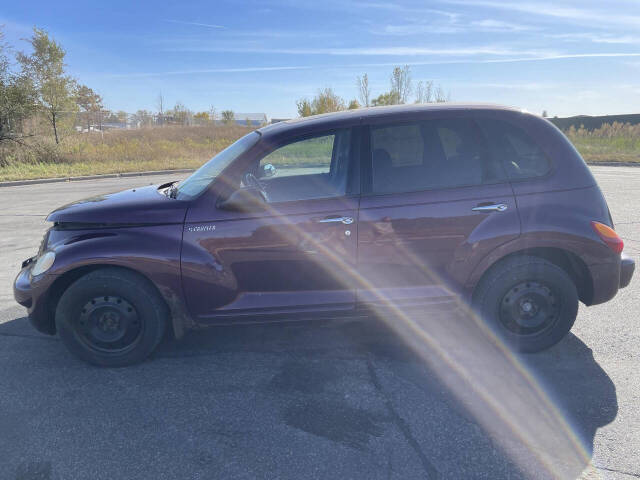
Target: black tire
<point>529,303</point>
<point>111,317</point>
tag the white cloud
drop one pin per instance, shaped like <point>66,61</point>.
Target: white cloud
<point>197,24</point>
<point>404,51</point>
<point>504,86</point>
<point>295,34</point>
<point>490,25</point>
<point>394,7</point>
<point>570,56</point>
<point>453,26</point>
<point>415,29</point>
<point>497,60</point>
<point>597,38</point>
<point>579,15</point>
<point>209,70</point>
<point>533,87</point>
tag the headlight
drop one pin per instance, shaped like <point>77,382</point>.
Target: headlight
<point>44,243</point>
<point>43,263</point>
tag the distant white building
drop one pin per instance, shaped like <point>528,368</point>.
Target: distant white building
<point>105,126</point>
<point>255,119</point>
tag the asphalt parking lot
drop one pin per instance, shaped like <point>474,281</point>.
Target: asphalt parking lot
<point>390,398</point>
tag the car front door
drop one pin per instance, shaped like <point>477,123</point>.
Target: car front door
<point>297,253</point>
<point>434,204</point>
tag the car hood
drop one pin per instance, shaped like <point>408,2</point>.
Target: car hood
<point>145,205</point>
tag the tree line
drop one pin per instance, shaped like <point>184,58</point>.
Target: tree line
<point>181,115</point>
<point>40,86</point>
<point>400,91</point>
<point>35,88</point>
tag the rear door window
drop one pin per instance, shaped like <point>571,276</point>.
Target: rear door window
<point>430,155</point>
<point>520,155</point>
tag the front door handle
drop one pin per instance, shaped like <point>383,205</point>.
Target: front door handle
<point>493,207</point>
<point>345,220</point>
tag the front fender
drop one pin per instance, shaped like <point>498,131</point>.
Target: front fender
<point>151,250</point>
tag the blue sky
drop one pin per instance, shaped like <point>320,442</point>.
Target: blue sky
<point>568,57</point>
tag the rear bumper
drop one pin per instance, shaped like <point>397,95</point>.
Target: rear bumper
<point>608,278</point>
<point>627,266</point>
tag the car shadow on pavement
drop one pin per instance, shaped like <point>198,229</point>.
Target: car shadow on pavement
<point>366,399</point>
<point>567,395</point>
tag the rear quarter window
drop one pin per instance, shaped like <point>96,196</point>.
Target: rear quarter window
<point>520,155</point>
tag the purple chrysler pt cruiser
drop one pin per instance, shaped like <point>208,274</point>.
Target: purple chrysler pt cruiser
<point>337,215</point>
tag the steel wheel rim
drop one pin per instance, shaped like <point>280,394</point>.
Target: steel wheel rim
<point>109,324</point>
<point>529,308</point>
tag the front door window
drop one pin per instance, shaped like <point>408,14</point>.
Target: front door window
<point>307,169</point>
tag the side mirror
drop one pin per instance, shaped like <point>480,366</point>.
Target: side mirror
<point>267,170</point>
<point>245,199</point>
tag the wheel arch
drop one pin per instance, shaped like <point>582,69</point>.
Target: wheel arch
<point>64,280</point>
<point>568,261</point>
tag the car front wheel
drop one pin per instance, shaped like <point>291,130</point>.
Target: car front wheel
<point>530,303</point>
<point>111,317</point>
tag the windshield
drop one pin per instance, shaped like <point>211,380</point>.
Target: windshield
<point>202,178</point>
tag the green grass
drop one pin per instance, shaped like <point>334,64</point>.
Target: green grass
<point>594,149</point>
<point>76,169</point>
<point>306,153</point>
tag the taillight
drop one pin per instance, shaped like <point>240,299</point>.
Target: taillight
<point>608,236</point>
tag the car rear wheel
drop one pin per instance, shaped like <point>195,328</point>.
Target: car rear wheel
<point>111,317</point>
<point>530,303</point>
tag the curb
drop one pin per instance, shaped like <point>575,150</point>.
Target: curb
<point>615,164</point>
<point>16,183</point>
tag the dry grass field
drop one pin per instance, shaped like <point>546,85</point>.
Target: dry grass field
<point>615,142</point>
<point>116,151</point>
<point>172,147</point>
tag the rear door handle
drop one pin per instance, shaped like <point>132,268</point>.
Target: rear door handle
<point>345,220</point>
<point>493,207</point>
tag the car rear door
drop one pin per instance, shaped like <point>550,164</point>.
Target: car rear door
<point>434,203</point>
<point>298,254</point>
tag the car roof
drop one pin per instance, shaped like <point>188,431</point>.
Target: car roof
<point>352,116</point>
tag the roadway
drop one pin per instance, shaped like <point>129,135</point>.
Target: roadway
<point>322,400</point>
